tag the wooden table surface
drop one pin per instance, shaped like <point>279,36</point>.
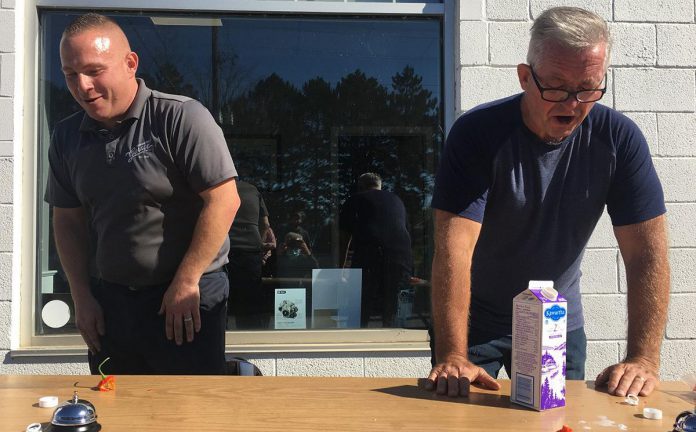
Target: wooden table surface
<point>227,403</point>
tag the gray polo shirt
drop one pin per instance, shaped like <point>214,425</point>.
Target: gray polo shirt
<point>140,182</point>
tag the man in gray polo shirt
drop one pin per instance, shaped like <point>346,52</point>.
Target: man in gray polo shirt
<point>142,185</point>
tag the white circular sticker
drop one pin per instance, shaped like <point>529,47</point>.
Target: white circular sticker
<point>55,313</point>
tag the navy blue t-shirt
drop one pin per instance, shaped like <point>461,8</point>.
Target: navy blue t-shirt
<point>539,203</point>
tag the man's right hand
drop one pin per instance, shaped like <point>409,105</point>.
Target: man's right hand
<point>454,375</point>
<point>89,319</point>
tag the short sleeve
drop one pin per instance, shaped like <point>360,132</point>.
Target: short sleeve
<point>636,193</point>
<point>60,191</point>
<point>201,150</point>
<point>463,176</point>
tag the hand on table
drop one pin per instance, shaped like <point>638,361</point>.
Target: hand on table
<point>454,375</point>
<point>89,319</point>
<point>181,304</point>
<point>633,376</point>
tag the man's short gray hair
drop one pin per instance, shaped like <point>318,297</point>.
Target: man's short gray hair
<point>570,27</point>
<point>88,21</point>
<point>369,181</point>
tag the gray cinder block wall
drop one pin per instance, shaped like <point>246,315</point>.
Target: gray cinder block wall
<point>652,80</point>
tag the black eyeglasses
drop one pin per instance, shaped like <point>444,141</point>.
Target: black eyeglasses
<point>560,95</point>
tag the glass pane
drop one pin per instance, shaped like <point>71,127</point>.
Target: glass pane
<point>307,104</point>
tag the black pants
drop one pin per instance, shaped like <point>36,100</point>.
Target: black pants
<point>249,304</point>
<point>135,338</point>
<point>382,279</point>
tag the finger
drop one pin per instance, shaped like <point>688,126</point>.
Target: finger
<point>452,385</point>
<point>88,342</point>
<point>601,378</point>
<point>169,326</point>
<point>636,386</point>
<point>196,319</point>
<point>178,329</point>
<point>649,386</point>
<point>486,380</point>
<point>101,328</point>
<point>464,386</point>
<point>614,377</point>
<point>429,383</point>
<point>188,326</point>
<point>441,384</point>
<point>625,382</point>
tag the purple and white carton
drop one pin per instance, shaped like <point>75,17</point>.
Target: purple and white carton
<point>539,319</point>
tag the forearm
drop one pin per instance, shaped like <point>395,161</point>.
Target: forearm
<point>209,235</point>
<point>72,240</point>
<point>451,297</point>
<point>645,251</point>
<point>648,300</point>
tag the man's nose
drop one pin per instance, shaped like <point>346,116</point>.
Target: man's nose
<point>84,83</point>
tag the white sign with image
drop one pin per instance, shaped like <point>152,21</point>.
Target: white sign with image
<point>290,308</point>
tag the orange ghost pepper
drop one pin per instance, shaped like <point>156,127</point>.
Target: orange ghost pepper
<point>565,428</point>
<point>107,383</point>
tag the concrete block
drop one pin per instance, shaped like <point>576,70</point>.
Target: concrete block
<point>509,43</point>
<point>605,316</point>
<point>676,134</point>
<point>317,364</point>
<point>676,45</point>
<point>658,90</point>
<point>6,119</point>
<point>6,74</point>
<point>647,122</point>
<point>603,235</point>
<point>471,10</point>
<point>677,359</point>
<point>63,365</point>
<point>473,43</point>
<point>659,11</point>
<point>5,315</point>
<point>680,321</point>
<point>8,4</point>
<point>634,44</point>
<point>7,26</point>
<point>511,10</point>
<point>398,365</point>
<point>5,228</point>
<point>683,270</point>
<point>6,180</point>
<point>5,276</point>
<point>600,355</point>
<point>680,221</point>
<point>600,7</point>
<point>483,84</point>
<point>6,148</point>
<point>599,272</point>
<point>673,172</point>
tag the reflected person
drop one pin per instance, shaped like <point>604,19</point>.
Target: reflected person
<point>248,302</point>
<point>151,176</point>
<point>520,187</point>
<point>376,222</point>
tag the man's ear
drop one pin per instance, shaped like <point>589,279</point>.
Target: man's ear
<point>524,75</point>
<point>132,62</point>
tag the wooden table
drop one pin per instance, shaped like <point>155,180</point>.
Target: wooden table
<point>227,403</point>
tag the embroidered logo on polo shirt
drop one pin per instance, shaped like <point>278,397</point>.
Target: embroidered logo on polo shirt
<point>140,150</point>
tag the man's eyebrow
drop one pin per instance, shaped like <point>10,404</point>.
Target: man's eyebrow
<point>86,66</point>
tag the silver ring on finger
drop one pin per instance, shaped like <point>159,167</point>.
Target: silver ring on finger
<point>188,319</point>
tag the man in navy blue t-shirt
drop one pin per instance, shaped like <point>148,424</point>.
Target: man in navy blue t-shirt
<point>520,188</point>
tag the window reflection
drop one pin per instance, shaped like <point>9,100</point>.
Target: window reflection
<point>306,105</point>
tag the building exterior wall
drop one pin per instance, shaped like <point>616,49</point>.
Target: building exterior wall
<point>652,79</point>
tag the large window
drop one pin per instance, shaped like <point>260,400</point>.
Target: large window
<point>307,103</point>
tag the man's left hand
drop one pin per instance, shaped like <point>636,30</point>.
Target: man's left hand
<point>181,304</point>
<point>634,376</point>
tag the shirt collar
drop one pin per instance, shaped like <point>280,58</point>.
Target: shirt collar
<point>134,111</point>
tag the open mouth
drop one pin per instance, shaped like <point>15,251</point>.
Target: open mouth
<point>564,119</point>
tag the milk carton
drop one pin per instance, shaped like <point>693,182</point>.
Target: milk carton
<point>539,318</point>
